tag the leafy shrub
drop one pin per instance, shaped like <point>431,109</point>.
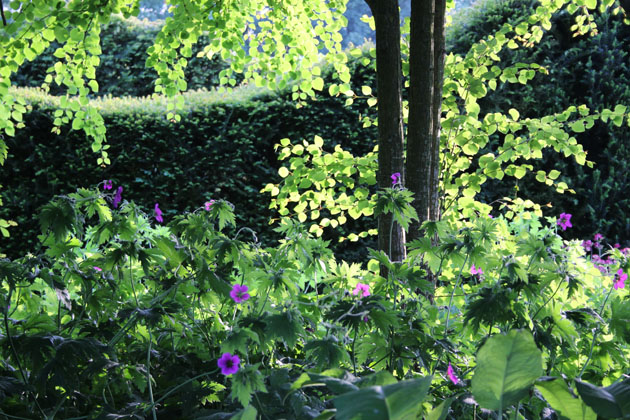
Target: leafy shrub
<point>589,70</point>
<point>122,316</point>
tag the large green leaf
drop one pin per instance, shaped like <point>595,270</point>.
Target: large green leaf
<point>399,401</point>
<point>507,366</point>
<point>610,402</point>
<point>557,394</point>
<point>440,412</point>
<point>248,413</point>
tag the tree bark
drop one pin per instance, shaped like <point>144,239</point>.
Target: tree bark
<point>390,123</point>
<point>426,78</point>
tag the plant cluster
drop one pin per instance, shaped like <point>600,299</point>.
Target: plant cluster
<point>131,314</point>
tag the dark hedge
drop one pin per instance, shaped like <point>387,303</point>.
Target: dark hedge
<point>222,148</point>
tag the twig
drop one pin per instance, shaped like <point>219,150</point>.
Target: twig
<point>4,19</point>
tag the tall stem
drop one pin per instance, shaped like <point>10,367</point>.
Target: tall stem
<point>149,375</point>
<point>590,354</point>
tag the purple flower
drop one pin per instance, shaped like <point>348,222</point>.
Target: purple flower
<point>107,184</point>
<point>587,245</point>
<point>362,290</point>
<point>475,270</point>
<point>620,283</point>
<point>208,205</point>
<point>564,221</point>
<point>617,245</point>
<point>118,197</point>
<point>239,293</point>
<point>451,374</point>
<point>598,237</point>
<point>97,268</point>
<point>228,364</point>
<point>158,213</point>
<point>395,178</point>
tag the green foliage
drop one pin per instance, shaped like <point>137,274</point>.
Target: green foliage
<point>113,287</point>
<point>122,71</point>
<point>231,137</point>
<point>557,394</point>
<point>609,402</point>
<point>507,366</point>
<point>591,70</point>
<point>389,402</point>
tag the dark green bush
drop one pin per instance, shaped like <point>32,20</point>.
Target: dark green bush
<point>222,148</point>
<point>590,70</point>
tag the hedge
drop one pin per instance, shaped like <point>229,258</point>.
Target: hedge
<point>222,148</point>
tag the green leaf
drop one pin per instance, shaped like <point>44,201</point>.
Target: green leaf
<point>578,126</point>
<point>610,402</point>
<point>620,319</point>
<point>557,394</point>
<point>248,413</point>
<point>399,401</point>
<point>336,385</point>
<point>440,412</point>
<point>286,326</point>
<point>245,382</point>
<point>507,366</point>
<point>317,83</point>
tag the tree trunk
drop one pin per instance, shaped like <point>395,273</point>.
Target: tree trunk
<point>390,124</point>
<point>426,76</point>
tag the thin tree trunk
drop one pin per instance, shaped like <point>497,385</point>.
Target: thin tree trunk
<point>390,124</point>
<point>421,177</point>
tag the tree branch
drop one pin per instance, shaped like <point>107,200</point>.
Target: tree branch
<point>4,19</point>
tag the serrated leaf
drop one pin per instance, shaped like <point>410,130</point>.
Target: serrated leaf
<point>245,382</point>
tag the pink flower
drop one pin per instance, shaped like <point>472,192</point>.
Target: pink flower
<point>239,293</point>
<point>475,270</point>
<point>395,178</point>
<point>564,221</point>
<point>158,213</point>
<point>208,205</point>
<point>598,237</point>
<point>617,245</point>
<point>97,268</point>
<point>107,184</point>
<point>118,197</point>
<point>228,363</point>
<point>451,374</point>
<point>587,245</point>
<point>621,281</point>
<point>362,290</point>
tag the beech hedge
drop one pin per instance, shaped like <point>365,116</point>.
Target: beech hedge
<point>222,148</point>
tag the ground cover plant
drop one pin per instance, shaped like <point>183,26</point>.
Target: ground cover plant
<point>125,311</point>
